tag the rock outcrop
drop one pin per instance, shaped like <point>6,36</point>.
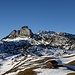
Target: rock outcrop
<point>23,32</point>
<point>58,40</point>
<point>44,38</point>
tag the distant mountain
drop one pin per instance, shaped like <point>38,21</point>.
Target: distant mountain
<point>59,40</point>
<point>24,40</point>
<point>23,32</point>
<point>23,51</point>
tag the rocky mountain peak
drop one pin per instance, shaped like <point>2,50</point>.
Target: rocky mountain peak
<point>60,40</point>
<point>24,27</point>
<point>23,32</point>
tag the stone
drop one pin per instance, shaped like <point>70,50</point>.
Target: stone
<point>23,32</point>
<point>12,34</point>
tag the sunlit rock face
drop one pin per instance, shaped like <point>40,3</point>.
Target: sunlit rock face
<point>23,32</point>
<point>60,40</point>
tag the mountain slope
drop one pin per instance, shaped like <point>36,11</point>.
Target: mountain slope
<point>23,50</point>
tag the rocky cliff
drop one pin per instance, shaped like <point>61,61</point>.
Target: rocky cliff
<point>43,38</point>
<point>23,32</point>
<point>59,40</point>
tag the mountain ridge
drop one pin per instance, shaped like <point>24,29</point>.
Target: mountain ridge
<point>23,32</point>
<point>60,40</point>
<point>27,49</point>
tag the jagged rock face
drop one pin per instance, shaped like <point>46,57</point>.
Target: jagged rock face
<point>14,46</point>
<point>45,38</point>
<point>12,34</point>
<point>58,40</point>
<point>23,32</point>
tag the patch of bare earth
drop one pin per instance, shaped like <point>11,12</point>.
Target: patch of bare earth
<point>71,63</point>
<point>71,74</point>
<point>28,71</point>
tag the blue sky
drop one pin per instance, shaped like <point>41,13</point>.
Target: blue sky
<point>54,15</point>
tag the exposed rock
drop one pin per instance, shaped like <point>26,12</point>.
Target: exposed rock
<point>45,38</point>
<point>13,34</point>
<point>23,32</point>
<point>14,46</point>
<point>58,40</point>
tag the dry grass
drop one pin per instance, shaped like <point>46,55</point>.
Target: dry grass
<point>71,74</point>
<point>28,71</point>
<point>71,63</point>
<point>15,68</point>
<point>11,70</point>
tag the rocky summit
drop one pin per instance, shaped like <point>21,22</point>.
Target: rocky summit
<point>23,32</point>
<point>53,39</point>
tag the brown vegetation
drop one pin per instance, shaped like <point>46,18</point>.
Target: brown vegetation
<point>71,74</point>
<point>71,63</point>
<point>28,71</point>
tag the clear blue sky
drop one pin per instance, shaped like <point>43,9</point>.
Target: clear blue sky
<point>54,15</point>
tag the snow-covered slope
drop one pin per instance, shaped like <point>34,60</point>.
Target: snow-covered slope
<point>18,53</point>
<point>12,64</point>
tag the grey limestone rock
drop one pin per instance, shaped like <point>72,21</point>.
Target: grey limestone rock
<point>23,32</point>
